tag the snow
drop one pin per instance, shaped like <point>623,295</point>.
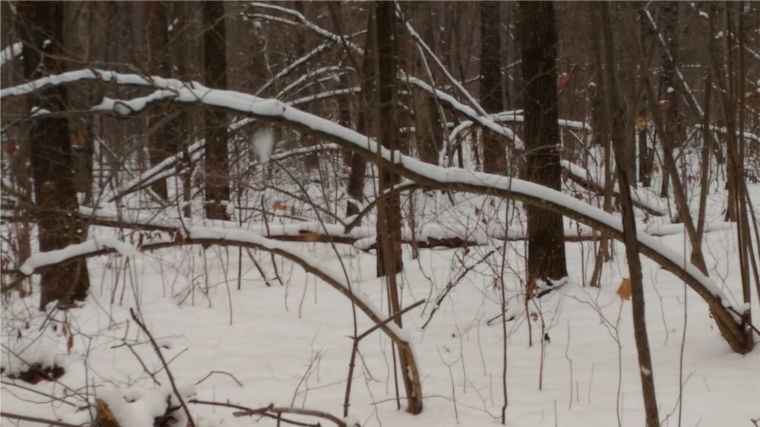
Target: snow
<point>263,144</point>
<point>139,407</point>
<point>11,52</point>
<point>53,257</point>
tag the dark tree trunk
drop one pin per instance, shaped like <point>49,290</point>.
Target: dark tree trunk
<point>669,98</point>
<point>389,211</point>
<point>78,35</point>
<point>58,221</point>
<point>364,122</point>
<point>215,63</point>
<point>494,146</point>
<point>618,116</point>
<point>162,143</point>
<point>427,119</point>
<point>546,245</point>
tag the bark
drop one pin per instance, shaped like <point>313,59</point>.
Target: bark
<point>77,40</point>
<point>494,146</point>
<point>216,166</point>
<point>358,165</point>
<point>618,113</point>
<point>546,247</point>
<point>160,145</point>
<point>669,96</point>
<point>389,211</point>
<point>427,119</point>
<point>50,147</point>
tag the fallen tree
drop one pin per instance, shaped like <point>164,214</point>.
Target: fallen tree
<point>728,318</point>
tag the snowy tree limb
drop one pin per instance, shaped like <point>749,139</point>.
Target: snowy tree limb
<point>433,176</point>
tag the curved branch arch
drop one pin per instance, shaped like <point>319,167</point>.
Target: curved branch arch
<point>727,317</point>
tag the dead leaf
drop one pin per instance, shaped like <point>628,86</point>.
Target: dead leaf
<point>279,206</point>
<point>77,140</point>
<point>308,236</point>
<point>70,343</point>
<point>641,124</point>
<point>562,79</point>
<point>104,416</point>
<point>624,291</point>
<point>664,104</point>
<point>10,147</point>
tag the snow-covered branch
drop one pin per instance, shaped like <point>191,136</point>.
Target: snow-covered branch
<point>434,176</point>
<point>219,236</point>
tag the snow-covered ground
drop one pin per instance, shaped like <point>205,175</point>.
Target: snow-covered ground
<point>290,344</point>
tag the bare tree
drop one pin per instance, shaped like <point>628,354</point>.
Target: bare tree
<point>538,34</point>
<point>494,146</point>
<point>41,30</point>
<point>215,63</point>
<point>618,116</point>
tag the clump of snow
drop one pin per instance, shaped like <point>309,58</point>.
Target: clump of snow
<point>263,144</point>
<point>54,257</point>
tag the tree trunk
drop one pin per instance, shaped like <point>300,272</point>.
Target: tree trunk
<point>494,146</point>
<point>358,164</point>
<point>58,221</point>
<point>546,245</point>
<point>77,38</point>
<point>215,65</point>
<point>389,210</point>
<point>617,111</point>
<point>669,96</point>
<point>159,64</point>
<point>428,133</point>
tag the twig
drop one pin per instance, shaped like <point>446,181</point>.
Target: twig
<point>220,372</point>
<point>451,285</point>
<point>252,412</point>
<point>355,350</point>
<point>168,372</point>
<point>35,420</point>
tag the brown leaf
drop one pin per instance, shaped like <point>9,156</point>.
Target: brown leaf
<point>641,124</point>
<point>279,206</point>
<point>104,416</point>
<point>624,291</point>
<point>77,140</point>
<point>664,104</point>
<point>10,147</point>
<point>308,236</point>
<point>64,330</point>
<point>562,79</point>
<point>70,343</point>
